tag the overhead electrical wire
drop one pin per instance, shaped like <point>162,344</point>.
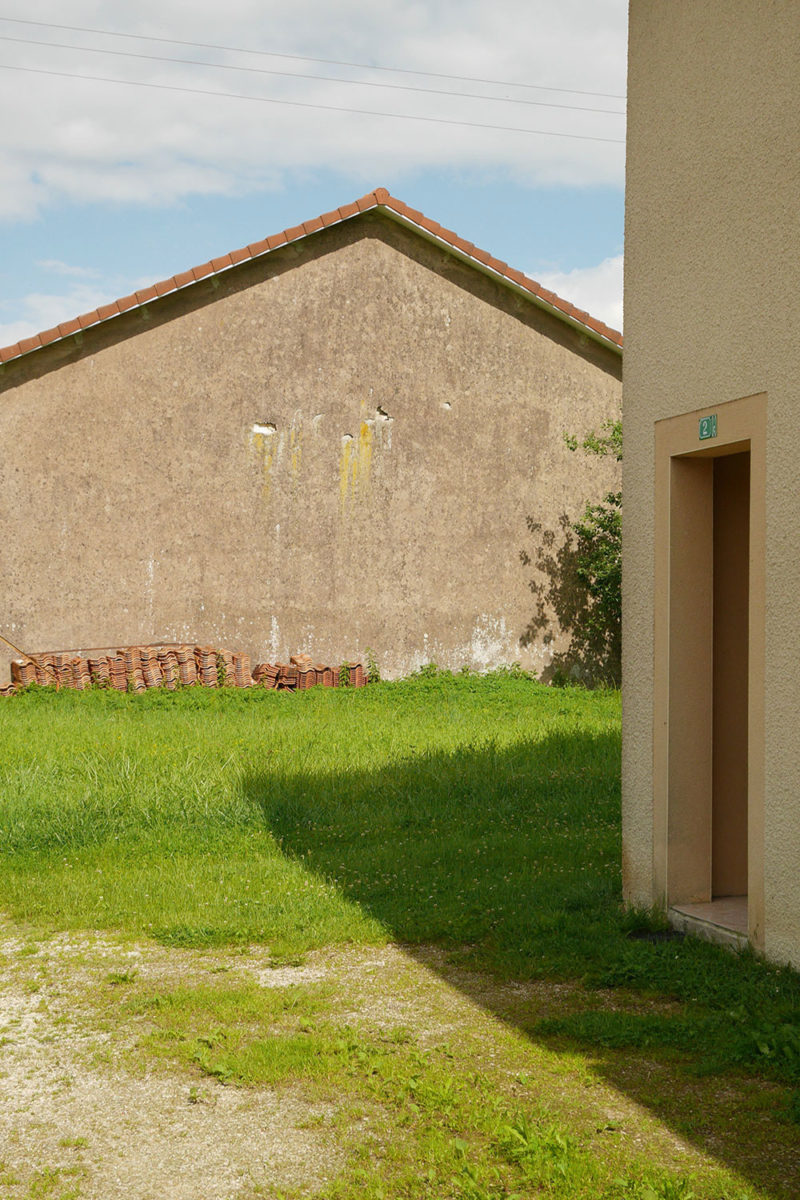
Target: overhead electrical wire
<point>364,112</point>
<point>399,87</point>
<point>331,62</point>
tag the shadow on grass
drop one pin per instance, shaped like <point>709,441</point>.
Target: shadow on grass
<point>509,857</point>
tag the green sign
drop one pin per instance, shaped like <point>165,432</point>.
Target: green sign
<point>708,427</point>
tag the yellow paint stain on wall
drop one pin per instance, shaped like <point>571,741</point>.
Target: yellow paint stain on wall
<point>361,481</point>
<point>355,466</point>
<point>296,447</point>
<point>263,447</point>
<point>344,471</point>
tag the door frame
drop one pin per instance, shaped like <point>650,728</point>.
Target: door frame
<point>683,630</point>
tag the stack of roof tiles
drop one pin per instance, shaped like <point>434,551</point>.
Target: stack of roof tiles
<point>301,673</point>
<point>139,668</point>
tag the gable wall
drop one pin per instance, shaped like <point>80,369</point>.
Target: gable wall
<point>138,504</point>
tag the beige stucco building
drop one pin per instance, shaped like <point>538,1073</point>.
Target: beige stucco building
<point>334,439</point>
<point>711,569</point>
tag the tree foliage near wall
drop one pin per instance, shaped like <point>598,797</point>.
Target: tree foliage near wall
<point>580,579</point>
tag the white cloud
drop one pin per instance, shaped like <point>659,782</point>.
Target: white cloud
<point>596,289</point>
<point>79,140</point>
<point>44,310</point>
<point>56,267</point>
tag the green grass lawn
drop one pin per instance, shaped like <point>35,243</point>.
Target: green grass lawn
<point>470,810</point>
<point>479,814</point>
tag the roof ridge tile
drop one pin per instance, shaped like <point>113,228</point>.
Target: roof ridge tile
<point>379,198</point>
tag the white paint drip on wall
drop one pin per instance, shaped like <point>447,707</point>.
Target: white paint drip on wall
<point>383,428</point>
<point>489,645</point>
<point>307,640</point>
<point>490,642</point>
<point>150,589</point>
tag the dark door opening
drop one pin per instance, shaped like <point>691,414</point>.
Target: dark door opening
<point>731,602</point>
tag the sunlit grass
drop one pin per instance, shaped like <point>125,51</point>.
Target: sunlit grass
<point>432,808</point>
<point>413,1118</point>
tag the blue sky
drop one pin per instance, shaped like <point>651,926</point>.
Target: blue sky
<point>107,186</point>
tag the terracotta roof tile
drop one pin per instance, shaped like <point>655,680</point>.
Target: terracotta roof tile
<point>378,198</point>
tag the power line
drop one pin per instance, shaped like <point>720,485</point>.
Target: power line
<point>398,87</point>
<point>363,112</point>
<point>330,62</point>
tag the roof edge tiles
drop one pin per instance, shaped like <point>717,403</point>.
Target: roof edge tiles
<point>379,199</point>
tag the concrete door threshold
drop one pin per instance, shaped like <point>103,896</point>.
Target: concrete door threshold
<point>723,920</point>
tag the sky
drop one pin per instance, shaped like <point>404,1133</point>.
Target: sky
<point>139,141</point>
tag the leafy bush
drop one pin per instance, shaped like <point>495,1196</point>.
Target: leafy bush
<point>598,563</point>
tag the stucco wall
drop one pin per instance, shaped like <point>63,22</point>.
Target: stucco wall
<point>408,417</point>
<point>711,251</point>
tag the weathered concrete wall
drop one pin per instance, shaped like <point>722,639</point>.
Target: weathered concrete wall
<point>711,251</point>
<point>332,448</point>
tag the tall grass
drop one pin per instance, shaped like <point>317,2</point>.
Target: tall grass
<point>438,807</point>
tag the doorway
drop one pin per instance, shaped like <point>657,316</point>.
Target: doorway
<point>730,655</point>
<point>709,620</point>
<point>708,736</point>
